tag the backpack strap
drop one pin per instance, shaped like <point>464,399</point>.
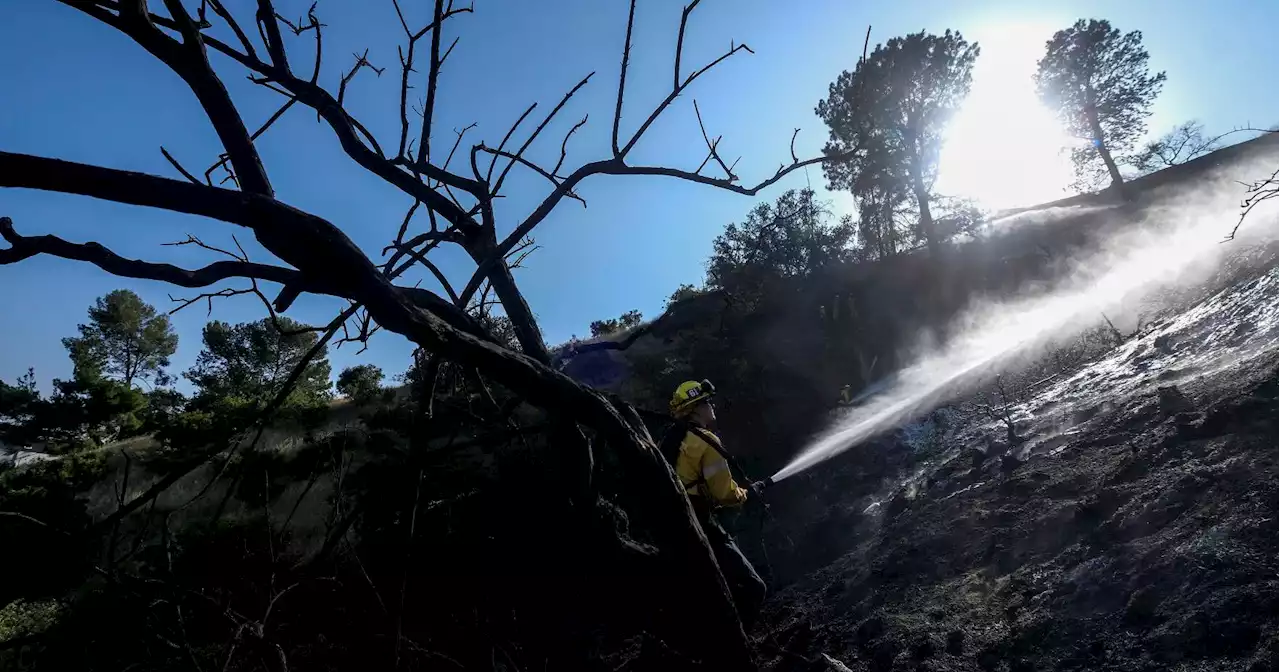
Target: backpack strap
<point>714,441</point>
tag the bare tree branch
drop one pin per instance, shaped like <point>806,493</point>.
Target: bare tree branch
<point>712,144</point>
<point>433,77</point>
<point>684,20</point>
<point>208,297</point>
<point>564,144</point>
<point>502,145</point>
<point>174,162</point>
<point>435,270</point>
<point>25,247</point>
<point>1258,192</point>
<point>622,77</point>
<point>516,158</point>
<point>362,61</point>
<point>192,240</point>
<point>534,136</point>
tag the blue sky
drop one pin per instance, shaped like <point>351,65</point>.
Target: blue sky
<point>97,97</point>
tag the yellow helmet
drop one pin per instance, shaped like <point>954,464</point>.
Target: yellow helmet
<point>689,394</point>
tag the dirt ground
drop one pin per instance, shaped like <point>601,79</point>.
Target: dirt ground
<point>1143,536</point>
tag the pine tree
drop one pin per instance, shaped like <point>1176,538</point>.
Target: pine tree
<point>1098,82</point>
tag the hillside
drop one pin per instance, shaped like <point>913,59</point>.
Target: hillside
<point>1107,502</point>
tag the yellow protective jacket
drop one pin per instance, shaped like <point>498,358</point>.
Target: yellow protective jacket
<point>704,471</point>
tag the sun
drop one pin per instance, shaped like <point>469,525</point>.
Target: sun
<point>1003,148</point>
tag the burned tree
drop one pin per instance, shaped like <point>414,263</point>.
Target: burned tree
<point>319,257</point>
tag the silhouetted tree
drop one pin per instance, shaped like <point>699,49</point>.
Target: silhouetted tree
<point>249,362</point>
<point>1185,142</point>
<point>613,325</point>
<point>890,113</point>
<point>791,237</point>
<point>684,291</point>
<point>1097,80</point>
<point>360,383</point>
<point>124,340</point>
<point>18,406</point>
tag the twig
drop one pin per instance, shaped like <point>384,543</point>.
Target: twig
<point>712,144</point>
<point>178,166</point>
<point>564,144</point>
<point>362,61</point>
<point>537,131</point>
<point>192,240</point>
<point>208,297</point>
<point>502,145</point>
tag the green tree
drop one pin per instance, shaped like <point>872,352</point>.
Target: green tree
<point>1097,80</point>
<point>361,384</point>
<point>247,364</point>
<point>623,322</point>
<point>83,409</point>
<point>124,340</point>
<point>19,405</point>
<point>893,108</point>
<point>791,237</point>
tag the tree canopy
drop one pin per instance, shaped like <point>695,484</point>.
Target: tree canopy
<point>250,362</point>
<point>790,237</point>
<point>124,340</point>
<point>1097,80</point>
<point>623,322</point>
<point>360,383</point>
<point>891,111</point>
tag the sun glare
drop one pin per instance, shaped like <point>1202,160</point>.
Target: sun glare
<point>1003,148</point>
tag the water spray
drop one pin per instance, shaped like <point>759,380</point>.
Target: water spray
<point>1175,243</point>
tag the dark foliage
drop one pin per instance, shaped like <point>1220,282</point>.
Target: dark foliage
<point>361,383</point>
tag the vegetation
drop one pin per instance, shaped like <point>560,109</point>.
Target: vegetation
<point>1097,80</point>
<point>251,363</point>
<point>623,322</point>
<point>125,340</point>
<point>361,384</point>
<point>790,238</point>
<point>1180,145</point>
<point>238,532</point>
<point>890,113</point>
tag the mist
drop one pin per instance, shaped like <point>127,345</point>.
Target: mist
<point>1175,241</point>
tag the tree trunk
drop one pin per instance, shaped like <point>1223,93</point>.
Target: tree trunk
<point>522,320</point>
<point>926,217</point>
<point>702,612</point>
<point>1117,181</point>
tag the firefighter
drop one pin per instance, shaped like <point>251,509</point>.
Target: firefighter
<point>704,471</point>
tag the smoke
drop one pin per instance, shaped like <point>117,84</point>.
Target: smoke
<point>1176,241</point>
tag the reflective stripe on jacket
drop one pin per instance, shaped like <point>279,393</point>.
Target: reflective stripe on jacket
<point>705,472</point>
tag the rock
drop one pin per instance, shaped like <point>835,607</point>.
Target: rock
<point>1173,401</point>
